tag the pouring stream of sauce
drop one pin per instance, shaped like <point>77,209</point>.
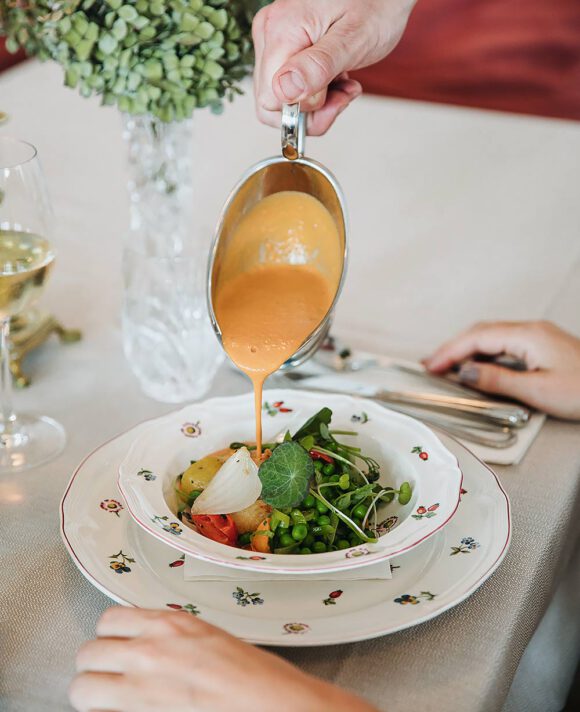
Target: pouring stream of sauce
<point>266,312</point>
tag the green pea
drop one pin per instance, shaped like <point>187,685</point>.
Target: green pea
<point>318,547</point>
<point>405,493</point>
<point>286,540</point>
<point>309,540</point>
<point>358,522</point>
<point>318,465</point>
<point>343,544</point>
<point>360,511</point>
<point>335,478</point>
<point>328,469</point>
<point>305,550</point>
<point>321,507</point>
<point>332,447</point>
<point>355,540</point>
<point>299,532</point>
<point>323,519</point>
<point>308,502</point>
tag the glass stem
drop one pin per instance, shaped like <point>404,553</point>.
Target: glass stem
<point>8,416</point>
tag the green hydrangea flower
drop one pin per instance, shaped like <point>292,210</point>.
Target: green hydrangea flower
<point>158,57</point>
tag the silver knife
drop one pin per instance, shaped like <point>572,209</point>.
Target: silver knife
<point>513,416</point>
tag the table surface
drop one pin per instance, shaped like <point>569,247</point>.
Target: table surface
<point>457,215</point>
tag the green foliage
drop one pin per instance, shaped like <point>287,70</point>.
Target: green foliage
<point>159,57</point>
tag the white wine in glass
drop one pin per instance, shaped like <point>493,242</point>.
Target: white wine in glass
<point>26,258</point>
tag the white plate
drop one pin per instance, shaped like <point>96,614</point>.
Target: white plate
<point>101,537</point>
<point>405,449</point>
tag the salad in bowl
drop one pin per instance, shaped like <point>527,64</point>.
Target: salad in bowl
<point>335,487</point>
<point>307,493</point>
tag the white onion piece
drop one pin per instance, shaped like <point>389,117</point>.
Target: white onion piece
<point>234,487</point>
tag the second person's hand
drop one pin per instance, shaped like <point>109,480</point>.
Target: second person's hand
<point>552,356</point>
<point>304,49</point>
<point>146,661</point>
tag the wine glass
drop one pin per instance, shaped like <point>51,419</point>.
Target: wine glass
<point>26,258</point>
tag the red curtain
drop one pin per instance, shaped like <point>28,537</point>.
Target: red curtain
<point>7,59</point>
<point>511,55</point>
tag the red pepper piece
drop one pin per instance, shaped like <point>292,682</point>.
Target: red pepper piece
<point>218,527</point>
<point>315,455</point>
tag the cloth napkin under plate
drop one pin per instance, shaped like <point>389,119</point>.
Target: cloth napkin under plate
<point>197,570</point>
<point>368,380</point>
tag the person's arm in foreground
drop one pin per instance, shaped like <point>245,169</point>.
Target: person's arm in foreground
<point>552,356</point>
<point>304,49</point>
<point>146,661</point>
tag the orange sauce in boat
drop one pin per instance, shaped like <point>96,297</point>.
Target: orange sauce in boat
<point>267,310</point>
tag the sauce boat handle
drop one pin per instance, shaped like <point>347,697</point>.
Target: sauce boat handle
<point>293,131</point>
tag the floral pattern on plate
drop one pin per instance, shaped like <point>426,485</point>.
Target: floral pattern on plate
<point>356,552</point>
<point>466,546</point>
<point>187,608</point>
<point>243,598</point>
<point>111,505</point>
<point>386,525</point>
<point>296,628</point>
<point>275,408</point>
<point>147,475</point>
<point>191,430</point>
<point>330,600</point>
<point>119,563</point>
<point>167,526</point>
<point>423,455</point>
<point>426,512</point>
<point>413,600</point>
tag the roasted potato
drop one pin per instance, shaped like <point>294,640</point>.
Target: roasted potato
<point>249,519</point>
<point>199,474</point>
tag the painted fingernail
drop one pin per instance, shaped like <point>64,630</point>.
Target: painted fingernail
<point>469,373</point>
<point>292,85</point>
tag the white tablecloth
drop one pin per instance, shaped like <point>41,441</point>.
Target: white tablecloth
<point>457,215</point>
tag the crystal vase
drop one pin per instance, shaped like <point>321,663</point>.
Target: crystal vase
<point>167,337</point>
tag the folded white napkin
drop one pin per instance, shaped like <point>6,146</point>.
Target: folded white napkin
<point>367,381</point>
<point>197,570</point>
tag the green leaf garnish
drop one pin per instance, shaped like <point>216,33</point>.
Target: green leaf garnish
<point>312,425</point>
<point>285,476</point>
<point>405,493</point>
<point>307,442</point>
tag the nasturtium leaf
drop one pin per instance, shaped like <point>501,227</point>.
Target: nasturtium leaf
<point>312,425</point>
<point>285,475</point>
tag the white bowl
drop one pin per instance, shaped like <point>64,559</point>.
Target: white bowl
<point>405,449</point>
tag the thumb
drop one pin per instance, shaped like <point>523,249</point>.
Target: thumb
<point>311,71</point>
<point>522,385</point>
